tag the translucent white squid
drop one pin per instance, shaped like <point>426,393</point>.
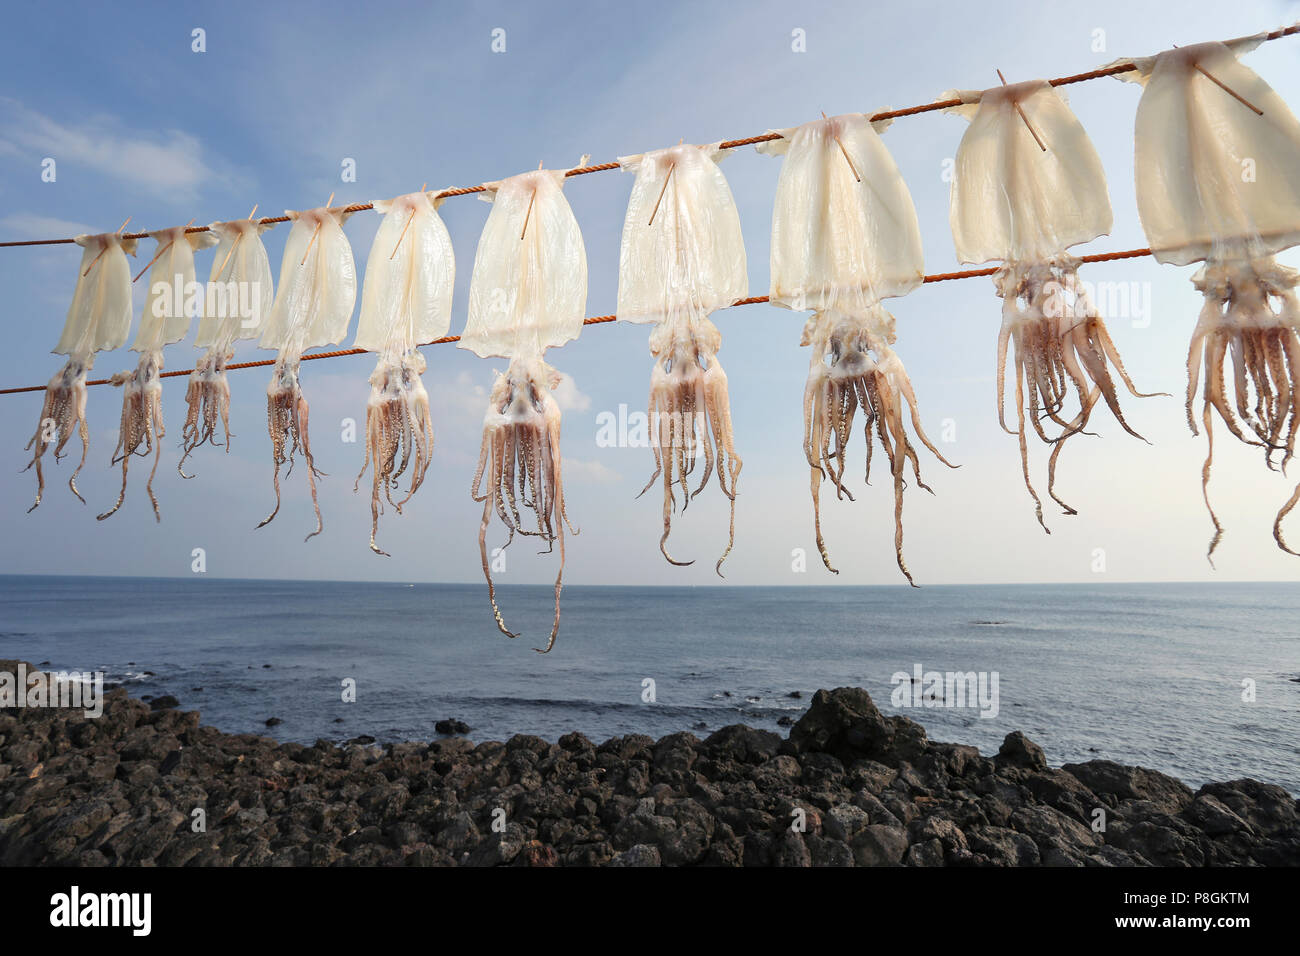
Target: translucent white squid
<point>845,237</point>
<point>683,257</point>
<point>171,302</point>
<point>98,319</point>
<point>1027,186</point>
<point>313,307</point>
<point>527,294</point>
<point>240,293</point>
<point>1218,181</point>
<point>405,302</point>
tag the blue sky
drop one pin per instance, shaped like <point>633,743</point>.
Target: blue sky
<point>142,126</point>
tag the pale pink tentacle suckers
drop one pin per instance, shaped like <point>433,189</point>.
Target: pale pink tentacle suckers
<point>520,456</point>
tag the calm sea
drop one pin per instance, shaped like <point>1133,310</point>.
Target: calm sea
<point>1156,675</point>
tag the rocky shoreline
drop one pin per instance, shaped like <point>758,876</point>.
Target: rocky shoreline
<point>847,787</point>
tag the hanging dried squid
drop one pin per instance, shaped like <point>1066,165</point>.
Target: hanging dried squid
<point>1027,186</point>
<point>313,307</point>
<point>172,301</point>
<point>528,293</point>
<point>844,238</point>
<point>682,258</point>
<point>238,300</point>
<point>98,319</point>
<point>405,302</point>
<point>1218,181</point>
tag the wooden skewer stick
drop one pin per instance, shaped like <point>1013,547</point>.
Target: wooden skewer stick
<point>406,227</point>
<point>225,262</point>
<point>671,169</point>
<point>1223,86</point>
<point>528,215</point>
<point>1028,125</point>
<point>158,255</point>
<point>307,252</point>
<point>234,245</point>
<point>847,159</point>
<point>105,249</point>
<point>403,235</point>
<point>94,260</point>
<point>1229,90</point>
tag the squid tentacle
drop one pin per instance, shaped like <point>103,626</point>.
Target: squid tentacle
<point>287,417</point>
<point>1251,320</point>
<point>207,397</point>
<point>853,366</point>
<point>689,417</point>
<point>63,411</point>
<point>520,467</point>
<point>141,423</point>
<point>1061,348</point>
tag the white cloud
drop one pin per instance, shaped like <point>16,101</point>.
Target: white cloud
<point>27,225</point>
<point>569,398</point>
<point>462,395</point>
<point>166,162</point>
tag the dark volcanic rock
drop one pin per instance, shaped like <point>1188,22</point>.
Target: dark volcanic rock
<point>880,845</point>
<point>452,727</point>
<point>1019,751</point>
<point>849,787</point>
<point>745,744</point>
<point>1117,782</point>
<point>844,722</point>
<point>163,702</point>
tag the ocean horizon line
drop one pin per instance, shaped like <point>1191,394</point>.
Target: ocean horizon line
<point>648,587</point>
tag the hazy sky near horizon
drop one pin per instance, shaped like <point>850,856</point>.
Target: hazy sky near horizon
<point>142,126</point>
